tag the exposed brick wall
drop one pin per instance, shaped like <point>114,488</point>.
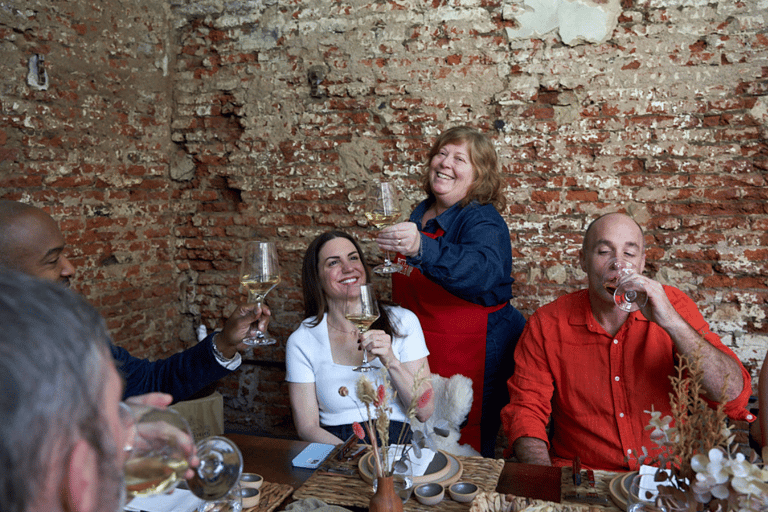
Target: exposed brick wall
<point>171,135</point>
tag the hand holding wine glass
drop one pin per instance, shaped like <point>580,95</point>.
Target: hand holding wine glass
<point>259,274</point>
<point>618,278</point>
<point>160,449</point>
<point>362,309</point>
<point>382,209</point>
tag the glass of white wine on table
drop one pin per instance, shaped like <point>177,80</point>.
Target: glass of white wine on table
<point>382,209</point>
<point>259,274</point>
<point>362,309</point>
<point>158,453</point>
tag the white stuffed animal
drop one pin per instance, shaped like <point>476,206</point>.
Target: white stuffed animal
<point>453,400</point>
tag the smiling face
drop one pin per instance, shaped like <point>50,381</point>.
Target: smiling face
<point>451,173</point>
<point>339,266</point>
<point>611,236</point>
<point>34,245</point>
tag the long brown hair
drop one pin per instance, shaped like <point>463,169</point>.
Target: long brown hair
<point>487,185</point>
<point>315,303</point>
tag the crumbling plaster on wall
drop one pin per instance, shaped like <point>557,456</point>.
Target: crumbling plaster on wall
<point>574,21</point>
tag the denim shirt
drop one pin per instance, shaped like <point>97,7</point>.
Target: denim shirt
<point>473,259</point>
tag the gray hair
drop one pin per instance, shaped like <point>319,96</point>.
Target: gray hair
<point>53,349</point>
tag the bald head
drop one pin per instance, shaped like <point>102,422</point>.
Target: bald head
<point>31,242</point>
<point>611,219</point>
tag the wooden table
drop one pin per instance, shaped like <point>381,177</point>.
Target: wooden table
<point>271,458</point>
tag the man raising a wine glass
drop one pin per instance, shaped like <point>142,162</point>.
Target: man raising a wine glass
<point>596,368</point>
<point>31,242</point>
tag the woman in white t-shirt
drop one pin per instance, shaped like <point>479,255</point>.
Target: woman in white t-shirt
<point>322,352</point>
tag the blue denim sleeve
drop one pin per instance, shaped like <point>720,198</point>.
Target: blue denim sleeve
<point>473,259</point>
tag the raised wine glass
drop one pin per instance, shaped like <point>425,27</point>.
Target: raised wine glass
<point>382,209</point>
<point>158,460</point>
<point>628,294</point>
<point>362,309</point>
<point>259,274</point>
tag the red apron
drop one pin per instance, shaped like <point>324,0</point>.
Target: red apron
<point>455,331</point>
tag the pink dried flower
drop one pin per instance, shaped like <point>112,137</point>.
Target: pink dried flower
<point>382,393</point>
<point>359,432</point>
<point>425,398</point>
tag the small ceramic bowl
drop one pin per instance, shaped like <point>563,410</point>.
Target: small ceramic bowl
<point>463,491</point>
<point>251,480</point>
<point>429,494</point>
<point>250,496</point>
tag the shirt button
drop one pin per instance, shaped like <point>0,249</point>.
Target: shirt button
<point>621,415</point>
<point>629,452</point>
<point>615,342</point>
<point>749,416</point>
<point>616,378</point>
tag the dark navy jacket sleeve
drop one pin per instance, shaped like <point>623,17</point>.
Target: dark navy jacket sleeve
<point>473,259</point>
<point>181,375</point>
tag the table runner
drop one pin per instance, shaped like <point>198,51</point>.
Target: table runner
<point>272,495</point>
<point>352,491</point>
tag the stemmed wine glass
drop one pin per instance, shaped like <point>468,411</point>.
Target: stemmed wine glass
<point>382,209</point>
<point>628,294</point>
<point>362,310</point>
<point>157,459</point>
<point>259,274</point>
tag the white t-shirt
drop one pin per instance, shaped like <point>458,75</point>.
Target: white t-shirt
<point>308,358</point>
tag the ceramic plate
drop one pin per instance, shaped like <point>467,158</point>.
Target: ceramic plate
<point>619,489</point>
<point>444,469</point>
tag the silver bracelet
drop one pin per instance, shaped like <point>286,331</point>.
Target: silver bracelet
<point>217,353</point>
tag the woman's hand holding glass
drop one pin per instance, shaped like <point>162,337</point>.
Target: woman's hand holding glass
<point>403,237</point>
<point>379,344</point>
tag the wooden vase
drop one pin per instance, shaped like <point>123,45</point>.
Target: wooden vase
<point>385,499</point>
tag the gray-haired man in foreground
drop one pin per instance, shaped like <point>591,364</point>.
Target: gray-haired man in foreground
<point>61,438</point>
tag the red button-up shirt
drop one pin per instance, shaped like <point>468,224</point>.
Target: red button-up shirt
<point>596,386</point>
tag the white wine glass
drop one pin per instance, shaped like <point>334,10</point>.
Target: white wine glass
<point>382,209</point>
<point>259,274</point>
<point>362,309</point>
<point>628,294</point>
<point>221,465</point>
<point>158,453</point>
<point>158,449</point>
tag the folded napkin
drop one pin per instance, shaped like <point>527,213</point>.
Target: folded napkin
<point>419,465</point>
<point>179,500</point>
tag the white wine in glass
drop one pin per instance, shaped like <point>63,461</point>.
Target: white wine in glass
<point>157,460</point>
<point>362,309</point>
<point>382,209</point>
<point>259,274</point>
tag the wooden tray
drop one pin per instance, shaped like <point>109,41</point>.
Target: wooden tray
<point>272,495</point>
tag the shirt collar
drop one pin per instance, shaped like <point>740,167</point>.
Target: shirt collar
<point>444,220</point>
<point>582,314</point>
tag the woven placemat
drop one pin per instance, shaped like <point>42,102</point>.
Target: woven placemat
<point>272,495</point>
<point>352,491</point>
<point>602,482</point>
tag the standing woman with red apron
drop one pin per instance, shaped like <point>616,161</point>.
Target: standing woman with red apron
<point>457,264</point>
